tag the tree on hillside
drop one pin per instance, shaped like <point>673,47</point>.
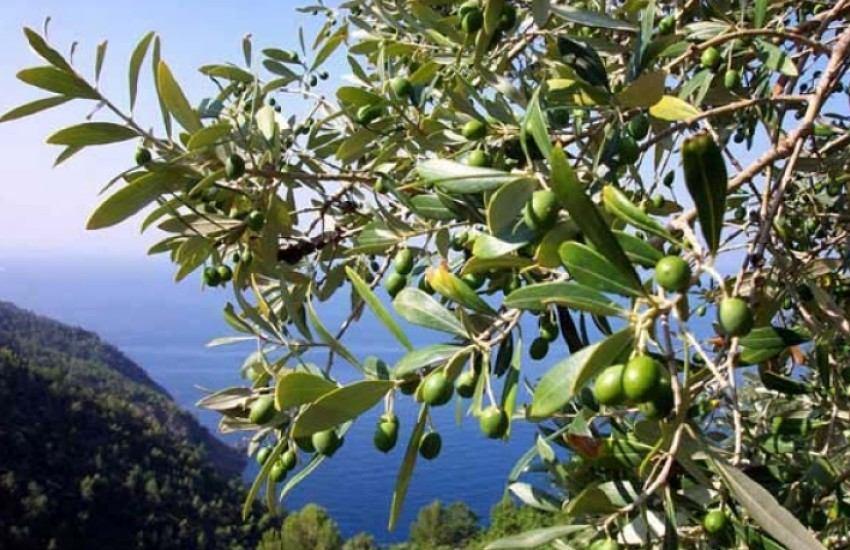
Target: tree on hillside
<point>310,527</point>
<point>439,527</point>
<point>661,185</point>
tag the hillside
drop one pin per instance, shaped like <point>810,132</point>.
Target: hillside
<point>87,361</point>
<point>96,455</point>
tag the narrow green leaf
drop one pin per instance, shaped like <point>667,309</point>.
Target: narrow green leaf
<point>512,378</point>
<point>209,136</point>
<point>617,203</point>
<point>302,474</point>
<point>381,312</point>
<point>155,60</point>
<point>277,450</point>
<point>247,48</point>
<point>534,123</point>
<point>67,153</point>
<point>570,294</point>
<point>763,508</point>
<point>329,48</point>
<point>488,247</point>
<point>92,133</point>
<point>230,72</point>
<point>34,107</point>
<point>174,100</point>
<point>430,207</point>
<point>100,56</point>
<point>589,267</point>
<point>340,405</point>
<point>540,12</point>
<point>42,48</point>
<point>563,381</point>
<point>777,59</point>
<point>454,177</point>
<point>358,97</point>
<point>706,179</point>
<point>547,251</point>
<point>423,357</point>
<point>506,203</point>
<point>638,250</point>
<point>482,265</point>
<point>759,12</point>
<point>419,308</point>
<point>772,337</point>
<point>58,81</point>
<point>591,18</point>
<point>190,255</point>
<point>328,338</point>
<point>406,469</point>
<point>298,388</point>
<point>584,213</point>
<point>534,538</point>
<point>129,199</point>
<point>136,60</point>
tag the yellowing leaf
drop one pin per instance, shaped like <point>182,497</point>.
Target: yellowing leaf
<point>673,109</point>
<point>645,91</point>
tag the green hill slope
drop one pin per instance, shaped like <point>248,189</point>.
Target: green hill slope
<point>93,454</point>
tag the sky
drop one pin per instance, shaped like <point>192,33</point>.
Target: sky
<point>44,209</point>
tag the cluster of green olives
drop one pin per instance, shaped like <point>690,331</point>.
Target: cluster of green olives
<point>642,381</point>
<point>628,149</point>
<point>282,465</point>
<point>217,275</point>
<point>471,17</point>
<point>711,59</point>
<point>402,266</point>
<point>547,333</point>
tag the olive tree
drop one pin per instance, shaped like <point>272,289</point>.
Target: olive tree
<point>612,171</point>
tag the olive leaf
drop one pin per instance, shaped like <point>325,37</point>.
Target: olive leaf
<point>423,357</point>
<point>618,204</point>
<point>136,60</point>
<point>645,91</point>
<point>590,268</point>
<point>130,199</point>
<point>174,99</point>
<point>673,109</point>
<point>572,196</point>
<point>58,81</point>
<point>92,133</point>
<point>570,294</point>
<point>563,381</point>
<point>406,470</point>
<point>706,180</point>
<point>421,309</point>
<point>763,507</point>
<point>638,250</point>
<point>34,107</point>
<point>535,538</point>
<point>298,388</point>
<point>329,338</point>
<point>340,405</point>
<point>381,312</point>
<point>456,178</point>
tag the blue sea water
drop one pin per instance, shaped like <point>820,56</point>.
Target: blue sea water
<point>163,326</point>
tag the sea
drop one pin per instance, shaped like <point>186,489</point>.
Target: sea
<point>164,327</point>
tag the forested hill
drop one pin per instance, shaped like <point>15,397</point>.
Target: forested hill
<point>84,360</point>
<point>93,454</point>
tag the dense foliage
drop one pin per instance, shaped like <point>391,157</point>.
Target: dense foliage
<point>94,458</point>
<point>612,171</point>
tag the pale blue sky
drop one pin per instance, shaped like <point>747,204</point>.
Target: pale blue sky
<point>44,209</point>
